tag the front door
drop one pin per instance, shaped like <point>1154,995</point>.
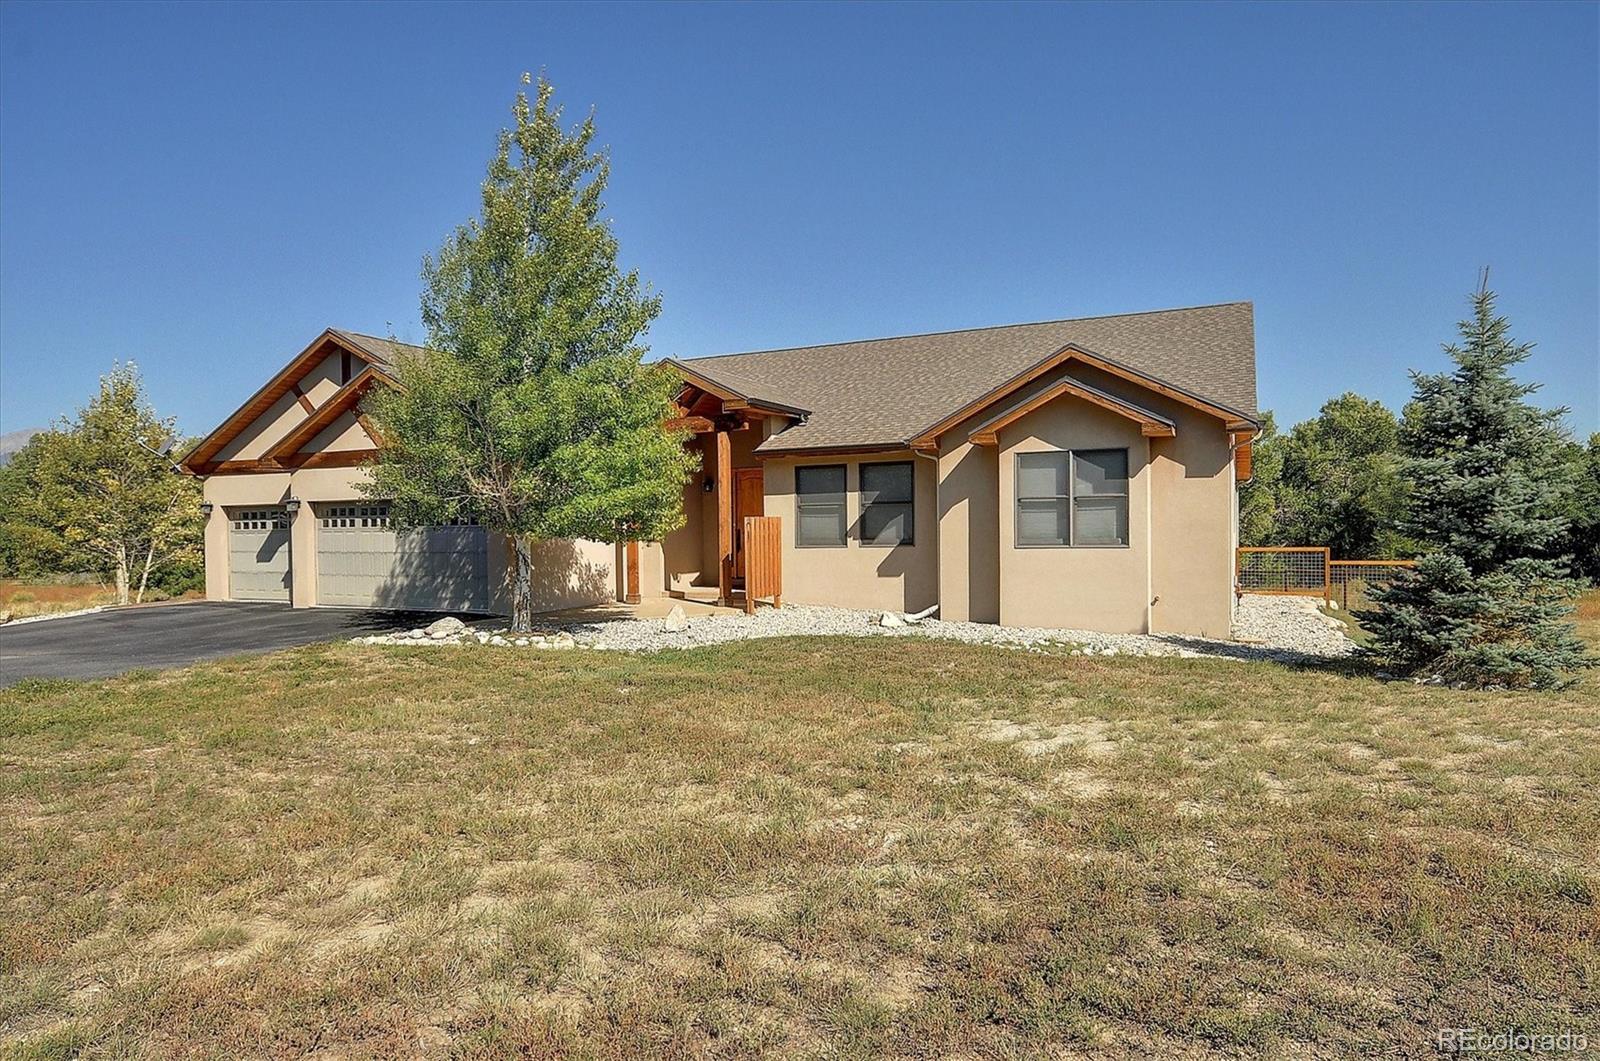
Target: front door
<point>747,501</point>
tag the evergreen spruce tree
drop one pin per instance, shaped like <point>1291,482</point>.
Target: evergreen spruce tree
<point>1489,496</point>
<point>534,414</point>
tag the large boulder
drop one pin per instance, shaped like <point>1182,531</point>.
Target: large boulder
<point>449,626</point>
<point>676,621</point>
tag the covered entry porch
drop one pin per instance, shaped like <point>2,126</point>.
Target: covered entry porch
<point>712,557</point>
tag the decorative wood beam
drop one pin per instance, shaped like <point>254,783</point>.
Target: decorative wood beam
<point>264,398</point>
<point>724,518</point>
<point>305,403</point>
<point>340,458</point>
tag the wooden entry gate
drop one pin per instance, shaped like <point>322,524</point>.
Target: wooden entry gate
<point>762,543</point>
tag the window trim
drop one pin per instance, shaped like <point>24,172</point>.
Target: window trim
<point>910,504</point>
<point>1071,498</point>
<point>843,504</point>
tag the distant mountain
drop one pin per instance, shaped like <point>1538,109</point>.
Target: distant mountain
<point>12,441</point>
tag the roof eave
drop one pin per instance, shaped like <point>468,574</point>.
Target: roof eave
<point>731,396</point>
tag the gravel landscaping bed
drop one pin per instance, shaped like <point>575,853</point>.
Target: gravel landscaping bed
<point>1285,629</point>
<point>1276,628</point>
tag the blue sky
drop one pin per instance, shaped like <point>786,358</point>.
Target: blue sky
<point>202,188</point>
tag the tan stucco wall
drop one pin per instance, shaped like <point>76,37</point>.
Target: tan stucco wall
<point>1187,540</point>
<point>1077,588</point>
<point>344,434</point>
<point>969,528</point>
<point>287,413</point>
<point>281,417</point>
<point>1193,523</point>
<point>320,383</point>
<point>902,578</point>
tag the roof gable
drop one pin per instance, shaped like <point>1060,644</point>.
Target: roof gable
<point>370,355</point>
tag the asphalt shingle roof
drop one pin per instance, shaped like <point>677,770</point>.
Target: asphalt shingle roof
<point>886,391</point>
<point>384,352</point>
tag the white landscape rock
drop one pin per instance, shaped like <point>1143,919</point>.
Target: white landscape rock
<point>449,626</point>
<point>676,621</point>
<point>1284,629</point>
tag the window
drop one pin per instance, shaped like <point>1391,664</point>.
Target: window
<point>261,519</point>
<point>886,503</point>
<point>356,516</point>
<point>1043,499</point>
<point>1075,498</point>
<point>819,505</point>
<point>1100,497</point>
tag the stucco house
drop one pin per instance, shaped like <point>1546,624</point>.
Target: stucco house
<point>1076,473</point>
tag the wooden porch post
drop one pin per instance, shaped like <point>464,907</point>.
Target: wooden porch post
<point>630,593</point>
<point>724,518</point>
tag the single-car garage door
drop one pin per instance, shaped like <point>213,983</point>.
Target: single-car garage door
<point>258,553</point>
<point>363,562</point>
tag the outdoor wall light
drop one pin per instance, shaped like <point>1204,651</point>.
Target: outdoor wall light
<point>709,485</point>
<point>206,508</point>
<point>292,505</point>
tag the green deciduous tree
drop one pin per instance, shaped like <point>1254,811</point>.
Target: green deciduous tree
<point>1333,480</point>
<point>101,487</point>
<point>29,548</point>
<point>534,414</point>
<point>1258,501</point>
<point>1582,541</point>
<point>1341,484</point>
<point>1490,498</point>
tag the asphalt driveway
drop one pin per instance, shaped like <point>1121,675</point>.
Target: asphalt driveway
<point>172,635</point>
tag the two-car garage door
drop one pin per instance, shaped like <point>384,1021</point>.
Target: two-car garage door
<point>365,563</point>
<point>362,562</point>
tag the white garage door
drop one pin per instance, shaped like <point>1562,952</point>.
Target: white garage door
<point>258,553</point>
<point>363,562</point>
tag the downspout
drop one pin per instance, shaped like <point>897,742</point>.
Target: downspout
<point>1149,540</point>
<point>938,559</point>
<point>1233,555</point>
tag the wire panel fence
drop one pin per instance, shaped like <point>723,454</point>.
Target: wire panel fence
<point>1311,571</point>
<point>1349,579</point>
<point>1300,570</point>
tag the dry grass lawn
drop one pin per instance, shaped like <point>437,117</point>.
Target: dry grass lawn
<point>21,598</point>
<point>813,847</point>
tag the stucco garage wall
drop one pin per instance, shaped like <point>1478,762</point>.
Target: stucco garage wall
<point>902,578</point>
<point>566,574</point>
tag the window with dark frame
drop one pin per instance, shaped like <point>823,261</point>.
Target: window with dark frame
<point>1072,498</point>
<point>819,505</point>
<point>888,491</point>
